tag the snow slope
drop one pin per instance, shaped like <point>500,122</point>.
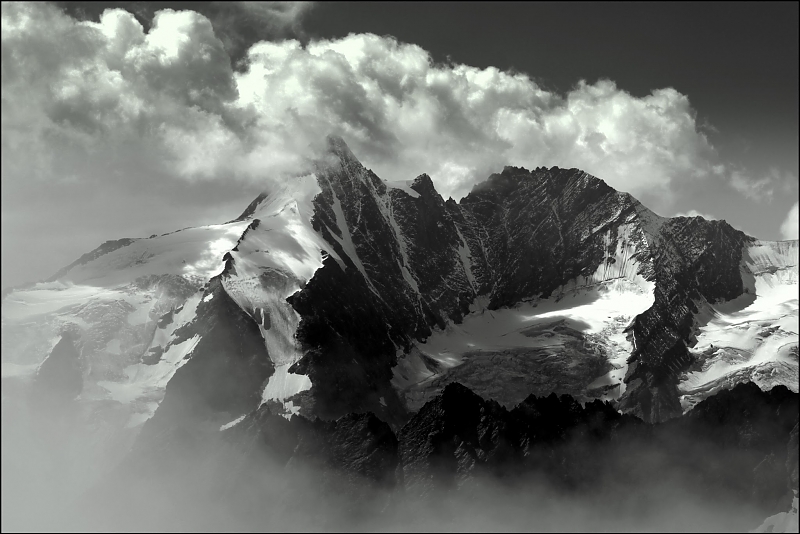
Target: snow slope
<point>273,260</point>
<point>115,301</point>
<point>783,521</point>
<point>143,383</point>
<point>754,337</point>
<point>592,311</point>
<point>194,253</point>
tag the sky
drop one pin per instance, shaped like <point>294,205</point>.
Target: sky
<point>126,119</point>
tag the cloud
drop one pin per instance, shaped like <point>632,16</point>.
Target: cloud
<point>405,115</point>
<point>105,112</point>
<point>169,99</point>
<point>759,190</point>
<point>277,15</point>
<point>239,24</point>
<point>789,228</point>
<point>695,213</point>
<point>81,97</point>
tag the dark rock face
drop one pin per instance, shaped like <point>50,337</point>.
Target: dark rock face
<point>412,262</point>
<point>354,318</point>
<point>348,351</point>
<point>459,438</point>
<point>532,229</point>
<point>60,377</point>
<point>450,438</point>
<point>730,444</point>
<point>354,455</point>
<point>223,377</point>
<point>729,449</point>
<point>693,259</point>
<point>752,428</point>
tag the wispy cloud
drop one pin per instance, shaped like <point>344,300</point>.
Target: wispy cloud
<point>789,228</point>
<point>239,24</point>
<point>762,189</point>
<point>278,15</point>
<point>754,189</point>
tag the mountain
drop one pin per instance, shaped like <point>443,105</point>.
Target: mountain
<point>393,292</point>
<point>341,293</point>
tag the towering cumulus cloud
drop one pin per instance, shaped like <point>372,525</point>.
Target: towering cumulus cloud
<point>97,97</point>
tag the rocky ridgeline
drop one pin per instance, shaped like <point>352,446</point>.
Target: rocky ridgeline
<point>693,259</point>
<point>413,262</point>
<point>459,436</point>
<point>403,262</point>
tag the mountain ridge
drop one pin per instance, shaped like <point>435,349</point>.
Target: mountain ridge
<point>357,303</point>
<point>413,267</point>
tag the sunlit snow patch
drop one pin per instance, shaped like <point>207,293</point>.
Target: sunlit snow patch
<point>283,384</point>
<point>144,385</point>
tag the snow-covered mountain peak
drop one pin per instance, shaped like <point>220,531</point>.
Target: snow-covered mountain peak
<point>338,293</point>
<point>368,295</point>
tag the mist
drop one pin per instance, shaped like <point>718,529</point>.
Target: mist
<point>63,471</point>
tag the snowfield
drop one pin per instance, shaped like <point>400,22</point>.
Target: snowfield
<point>116,299</point>
<point>754,337</point>
<point>195,253</point>
<point>594,310</point>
